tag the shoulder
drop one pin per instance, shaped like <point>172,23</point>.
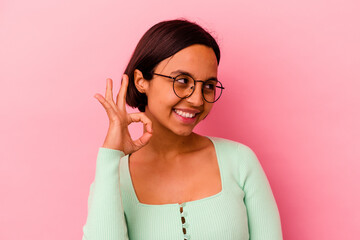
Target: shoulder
<point>231,146</point>
<point>235,154</point>
<point>240,160</point>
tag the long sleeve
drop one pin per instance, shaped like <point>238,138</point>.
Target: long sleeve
<point>106,219</point>
<point>263,215</point>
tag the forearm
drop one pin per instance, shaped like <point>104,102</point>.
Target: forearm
<point>106,220</point>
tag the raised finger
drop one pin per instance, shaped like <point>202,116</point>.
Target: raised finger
<point>109,93</point>
<point>108,108</point>
<point>121,97</point>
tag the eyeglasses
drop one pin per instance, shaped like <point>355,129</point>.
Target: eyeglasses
<point>184,87</point>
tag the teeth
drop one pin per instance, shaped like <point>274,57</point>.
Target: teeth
<point>184,114</point>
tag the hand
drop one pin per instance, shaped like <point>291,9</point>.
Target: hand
<point>118,136</point>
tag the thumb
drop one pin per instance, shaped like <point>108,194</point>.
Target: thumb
<point>143,140</point>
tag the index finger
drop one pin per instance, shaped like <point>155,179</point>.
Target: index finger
<point>140,117</point>
<point>121,97</point>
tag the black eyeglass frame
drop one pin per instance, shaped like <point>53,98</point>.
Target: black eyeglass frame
<point>202,91</point>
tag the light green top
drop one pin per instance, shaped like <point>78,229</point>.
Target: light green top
<point>244,209</point>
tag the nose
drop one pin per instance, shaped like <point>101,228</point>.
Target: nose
<point>196,98</point>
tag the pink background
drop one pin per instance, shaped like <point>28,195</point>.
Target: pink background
<point>291,72</point>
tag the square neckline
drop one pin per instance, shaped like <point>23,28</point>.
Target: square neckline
<point>128,175</point>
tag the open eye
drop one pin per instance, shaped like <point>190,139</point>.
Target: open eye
<point>210,85</point>
<point>183,80</point>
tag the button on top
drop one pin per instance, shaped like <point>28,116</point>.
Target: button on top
<point>184,223</point>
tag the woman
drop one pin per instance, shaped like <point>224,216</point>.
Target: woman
<point>172,183</point>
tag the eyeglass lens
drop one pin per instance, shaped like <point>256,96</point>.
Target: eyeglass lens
<point>185,85</point>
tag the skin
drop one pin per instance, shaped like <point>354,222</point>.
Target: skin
<point>171,136</point>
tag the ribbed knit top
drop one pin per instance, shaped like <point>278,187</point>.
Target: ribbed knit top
<point>245,208</point>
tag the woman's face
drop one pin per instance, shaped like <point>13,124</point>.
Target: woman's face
<point>164,107</point>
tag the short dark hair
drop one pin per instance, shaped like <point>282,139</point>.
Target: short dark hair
<point>161,41</point>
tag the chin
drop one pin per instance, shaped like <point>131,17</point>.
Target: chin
<point>183,132</point>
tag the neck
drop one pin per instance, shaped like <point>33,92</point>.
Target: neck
<point>164,142</point>
<point>166,145</point>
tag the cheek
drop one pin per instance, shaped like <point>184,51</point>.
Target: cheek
<point>208,107</point>
<point>162,99</point>
<point>207,110</point>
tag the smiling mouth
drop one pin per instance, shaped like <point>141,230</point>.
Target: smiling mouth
<point>185,114</point>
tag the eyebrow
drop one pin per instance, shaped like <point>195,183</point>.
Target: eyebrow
<point>189,74</point>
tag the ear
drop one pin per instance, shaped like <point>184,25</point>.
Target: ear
<point>141,84</point>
